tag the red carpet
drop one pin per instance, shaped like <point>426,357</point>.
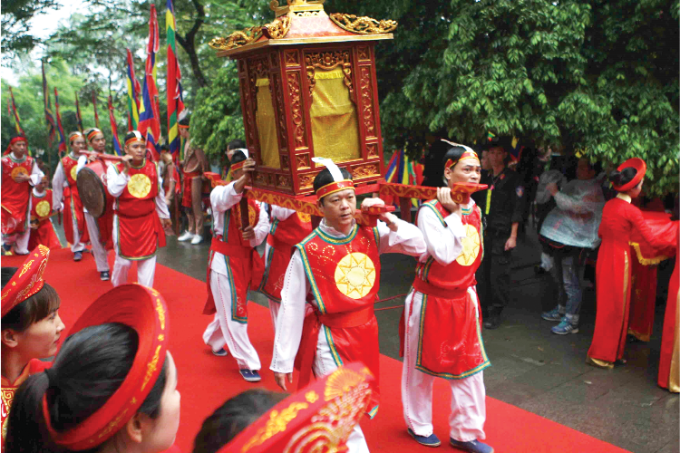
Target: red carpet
<point>206,381</point>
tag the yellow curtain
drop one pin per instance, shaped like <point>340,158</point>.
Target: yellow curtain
<point>335,127</point>
<point>266,125</point>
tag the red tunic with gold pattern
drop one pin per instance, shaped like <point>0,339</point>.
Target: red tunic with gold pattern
<point>41,209</point>
<point>35,366</point>
<point>15,195</point>
<point>73,206</point>
<point>344,276</point>
<point>449,299</point>
<point>137,223</point>
<point>243,263</point>
<point>283,235</point>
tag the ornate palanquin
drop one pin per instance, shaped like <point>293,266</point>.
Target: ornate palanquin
<point>308,88</point>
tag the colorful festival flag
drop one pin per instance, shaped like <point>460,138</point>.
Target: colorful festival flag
<point>174,83</point>
<point>149,114</point>
<point>12,109</point>
<point>49,117</point>
<point>60,129</point>
<point>79,117</point>
<point>403,170</point>
<point>133,90</point>
<point>94,106</point>
<point>114,130</point>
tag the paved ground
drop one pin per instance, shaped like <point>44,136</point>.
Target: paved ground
<point>532,368</point>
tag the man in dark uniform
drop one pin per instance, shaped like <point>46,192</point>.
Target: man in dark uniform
<point>502,206</point>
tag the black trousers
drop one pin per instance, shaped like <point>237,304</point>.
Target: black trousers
<point>493,275</point>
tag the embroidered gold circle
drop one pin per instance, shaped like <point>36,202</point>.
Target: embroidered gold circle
<point>74,173</point>
<point>471,246</point>
<point>355,275</point>
<point>18,171</point>
<point>43,208</point>
<point>139,185</point>
<point>305,218</point>
<point>252,216</point>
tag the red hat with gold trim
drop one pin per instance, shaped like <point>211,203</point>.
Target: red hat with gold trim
<point>27,280</point>
<point>339,181</point>
<point>215,179</point>
<point>319,417</point>
<point>640,167</point>
<point>144,310</point>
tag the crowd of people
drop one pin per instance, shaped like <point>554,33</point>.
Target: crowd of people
<point>321,282</point>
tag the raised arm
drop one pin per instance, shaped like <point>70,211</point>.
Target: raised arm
<point>444,241</point>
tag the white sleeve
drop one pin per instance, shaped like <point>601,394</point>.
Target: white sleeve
<point>261,229</point>
<point>36,171</point>
<point>291,316</point>
<point>444,243</point>
<point>58,186</point>
<point>223,198</point>
<point>280,213</point>
<point>161,205</point>
<point>407,239</point>
<point>115,181</point>
<point>82,161</point>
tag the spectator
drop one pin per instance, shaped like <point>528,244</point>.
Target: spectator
<point>568,230</point>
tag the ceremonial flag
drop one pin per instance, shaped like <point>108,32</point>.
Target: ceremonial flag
<point>49,117</point>
<point>149,115</point>
<point>133,90</point>
<point>60,129</point>
<point>79,118</point>
<point>114,130</point>
<point>403,170</point>
<point>12,109</point>
<point>94,106</point>
<point>174,83</point>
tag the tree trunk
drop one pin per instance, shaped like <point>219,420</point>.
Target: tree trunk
<point>188,43</point>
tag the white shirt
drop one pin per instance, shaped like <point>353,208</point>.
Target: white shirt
<point>116,183</point>
<point>59,180</point>
<point>407,240</point>
<point>280,213</point>
<point>444,243</point>
<point>222,199</point>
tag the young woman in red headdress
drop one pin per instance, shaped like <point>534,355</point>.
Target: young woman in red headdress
<point>42,230</point>
<point>65,196</point>
<point>111,388</point>
<point>613,272</point>
<point>17,167</point>
<point>31,326</point>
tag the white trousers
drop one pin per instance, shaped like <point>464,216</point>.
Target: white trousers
<point>146,269</point>
<point>323,365</point>
<point>77,246</point>
<point>98,250</point>
<point>274,311</point>
<point>224,332</point>
<point>20,241</point>
<point>468,406</point>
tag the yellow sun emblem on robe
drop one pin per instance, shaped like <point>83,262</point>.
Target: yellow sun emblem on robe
<point>355,275</point>
<point>74,173</point>
<point>139,185</point>
<point>471,246</point>
<point>43,208</point>
<point>17,171</point>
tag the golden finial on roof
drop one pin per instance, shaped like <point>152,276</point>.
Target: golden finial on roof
<point>301,7</point>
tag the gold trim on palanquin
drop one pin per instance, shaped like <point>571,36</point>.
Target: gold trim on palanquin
<point>363,25</point>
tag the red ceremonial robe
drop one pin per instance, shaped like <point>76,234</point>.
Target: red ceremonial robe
<point>613,273</point>
<point>41,209</point>
<point>344,276</point>
<point>73,206</point>
<point>457,351</point>
<point>669,362</point>
<point>15,195</point>
<point>283,235</point>
<point>34,366</point>
<point>243,263</point>
<point>138,226</point>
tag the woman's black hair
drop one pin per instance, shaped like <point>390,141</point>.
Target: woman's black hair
<point>34,309</point>
<point>90,367</point>
<point>238,156</point>
<point>325,177</point>
<point>233,417</point>
<point>236,144</point>
<point>623,177</point>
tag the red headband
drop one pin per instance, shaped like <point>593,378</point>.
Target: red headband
<point>75,135</point>
<point>320,417</point>
<point>145,311</point>
<point>334,187</point>
<point>182,126</point>
<point>93,133</point>
<point>466,155</point>
<point>640,167</point>
<point>27,280</point>
<point>136,138</point>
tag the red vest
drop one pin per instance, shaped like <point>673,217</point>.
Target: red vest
<point>41,209</point>
<point>15,195</point>
<point>283,235</point>
<point>459,275</point>
<point>70,164</point>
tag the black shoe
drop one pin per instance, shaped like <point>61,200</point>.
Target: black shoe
<point>77,256</point>
<point>104,276</point>
<point>492,322</point>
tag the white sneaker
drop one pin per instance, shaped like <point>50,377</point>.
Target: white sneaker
<point>197,239</point>
<point>186,236</point>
